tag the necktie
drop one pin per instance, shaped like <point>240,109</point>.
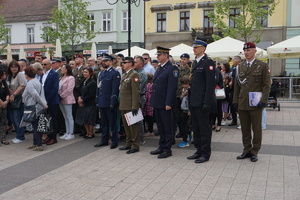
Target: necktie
<point>248,65</point>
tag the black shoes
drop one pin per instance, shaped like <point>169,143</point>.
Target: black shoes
<point>244,155</point>
<point>253,158</point>
<point>124,148</point>
<point>113,146</point>
<point>201,160</point>
<point>130,151</point>
<point>164,155</point>
<point>156,152</point>
<point>101,144</point>
<point>232,124</point>
<point>194,156</point>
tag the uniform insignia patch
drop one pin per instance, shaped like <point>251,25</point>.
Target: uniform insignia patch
<point>211,67</point>
<point>175,73</point>
<point>118,76</point>
<point>269,71</point>
<point>136,79</point>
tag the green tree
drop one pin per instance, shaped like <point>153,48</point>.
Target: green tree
<point>3,32</point>
<point>71,24</point>
<point>249,17</point>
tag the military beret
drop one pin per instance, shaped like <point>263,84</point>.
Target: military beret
<point>249,45</point>
<point>78,56</point>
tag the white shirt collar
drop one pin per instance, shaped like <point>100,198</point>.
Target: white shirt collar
<point>251,62</point>
<point>198,59</point>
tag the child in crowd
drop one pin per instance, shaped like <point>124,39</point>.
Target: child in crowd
<point>185,114</point>
<point>225,103</point>
<point>148,110</point>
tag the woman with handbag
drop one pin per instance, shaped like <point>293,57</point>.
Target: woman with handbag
<point>4,99</point>
<point>66,87</point>
<point>16,83</point>
<point>33,97</point>
<point>86,113</point>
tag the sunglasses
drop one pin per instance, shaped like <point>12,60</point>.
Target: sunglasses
<point>145,58</point>
<point>45,64</point>
<point>125,62</point>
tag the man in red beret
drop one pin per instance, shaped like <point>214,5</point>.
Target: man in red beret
<point>252,84</point>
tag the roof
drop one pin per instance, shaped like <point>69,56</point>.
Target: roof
<point>29,10</point>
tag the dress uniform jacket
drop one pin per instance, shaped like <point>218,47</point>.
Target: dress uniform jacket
<point>251,79</point>
<point>130,91</point>
<point>78,75</point>
<point>108,88</point>
<point>203,84</point>
<point>164,86</point>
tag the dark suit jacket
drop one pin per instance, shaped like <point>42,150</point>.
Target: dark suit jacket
<point>108,90</point>
<point>51,86</point>
<point>164,86</point>
<point>203,83</point>
<point>88,92</point>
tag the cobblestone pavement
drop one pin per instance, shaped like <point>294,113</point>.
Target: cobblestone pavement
<point>77,170</point>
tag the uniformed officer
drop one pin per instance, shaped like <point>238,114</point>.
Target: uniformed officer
<point>78,75</point>
<point>107,100</point>
<point>252,76</point>
<point>163,99</point>
<point>202,101</point>
<point>130,102</point>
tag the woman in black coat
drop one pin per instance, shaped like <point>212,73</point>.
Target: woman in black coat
<point>86,113</point>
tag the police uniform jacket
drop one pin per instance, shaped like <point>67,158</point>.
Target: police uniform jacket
<point>203,84</point>
<point>164,86</point>
<point>130,91</point>
<point>251,79</point>
<point>108,88</point>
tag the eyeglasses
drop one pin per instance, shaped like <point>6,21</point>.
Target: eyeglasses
<point>45,64</point>
<point>13,67</point>
<point>125,62</point>
<point>146,58</point>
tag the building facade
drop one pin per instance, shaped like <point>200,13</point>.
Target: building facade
<point>172,22</point>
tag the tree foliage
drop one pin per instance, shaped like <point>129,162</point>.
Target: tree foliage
<point>71,24</point>
<point>3,31</point>
<point>251,15</point>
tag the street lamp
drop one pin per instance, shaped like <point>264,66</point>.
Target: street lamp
<point>129,2</point>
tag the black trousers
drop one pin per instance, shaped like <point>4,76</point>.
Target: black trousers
<point>53,109</point>
<point>202,131</point>
<point>164,127</point>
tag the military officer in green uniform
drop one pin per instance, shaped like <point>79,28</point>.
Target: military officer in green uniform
<point>130,102</point>
<point>252,78</point>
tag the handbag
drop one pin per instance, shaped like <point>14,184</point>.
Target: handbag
<point>29,113</point>
<point>45,124</point>
<point>17,102</point>
<point>220,93</point>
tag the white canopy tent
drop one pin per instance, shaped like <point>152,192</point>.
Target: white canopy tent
<point>289,48</point>
<point>135,50</point>
<point>229,47</point>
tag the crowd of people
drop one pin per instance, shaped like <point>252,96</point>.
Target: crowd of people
<point>91,95</point>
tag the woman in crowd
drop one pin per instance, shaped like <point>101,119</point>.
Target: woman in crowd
<point>16,83</point>
<point>66,87</point>
<point>34,95</point>
<point>86,113</point>
<point>4,99</point>
<point>225,69</point>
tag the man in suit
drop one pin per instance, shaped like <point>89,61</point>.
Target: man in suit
<point>130,102</point>
<point>202,101</point>
<point>163,100</point>
<point>107,100</point>
<point>50,82</point>
<point>252,75</point>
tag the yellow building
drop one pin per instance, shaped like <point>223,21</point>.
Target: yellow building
<point>171,22</point>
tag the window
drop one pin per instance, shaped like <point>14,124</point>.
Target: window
<point>106,21</point>
<point>30,35</point>
<point>8,35</point>
<point>264,20</point>
<point>92,21</point>
<point>161,22</point>
<point>125,21</point>
<point>233,13</point>
<point>207,24</point>
<point>184,21</point>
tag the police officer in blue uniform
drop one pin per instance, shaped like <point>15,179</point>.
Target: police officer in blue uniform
<point>107,100</point>
<point>163,100</point>
<point>202,101</point>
